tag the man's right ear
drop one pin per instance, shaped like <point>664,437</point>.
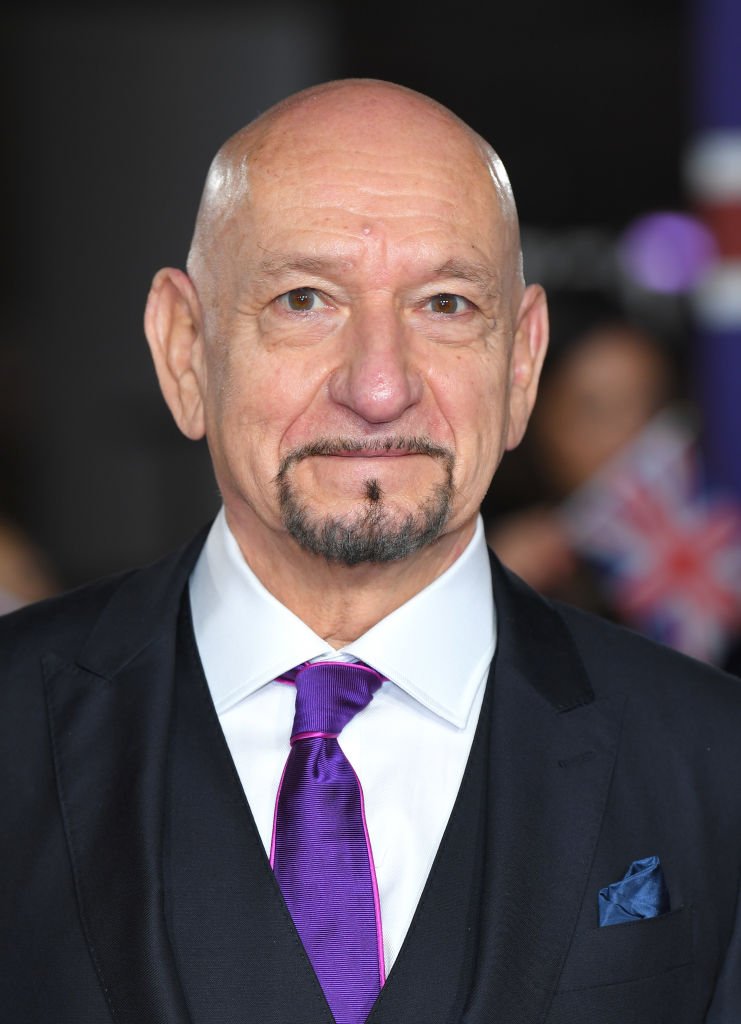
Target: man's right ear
<point>173,326</point>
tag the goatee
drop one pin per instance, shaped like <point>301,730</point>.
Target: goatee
<point>374,532</point>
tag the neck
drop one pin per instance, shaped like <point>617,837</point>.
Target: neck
<point>339,602</point>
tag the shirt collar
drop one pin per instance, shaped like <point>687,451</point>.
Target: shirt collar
<point>437,646</point>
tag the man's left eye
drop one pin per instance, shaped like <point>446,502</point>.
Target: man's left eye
<point>301,300</point>
<point>447,303</point>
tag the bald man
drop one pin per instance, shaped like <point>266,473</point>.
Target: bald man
<point>331,761</point>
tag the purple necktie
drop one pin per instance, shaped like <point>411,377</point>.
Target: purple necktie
<point>321,852</point>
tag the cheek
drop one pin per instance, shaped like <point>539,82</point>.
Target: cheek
<point>246,384</point>
<point>474,404</point>
<point>268,406</point>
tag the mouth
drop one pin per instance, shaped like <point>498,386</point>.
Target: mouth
<point>391,447</point>
<point>370,453</point>
<point>384,447</point>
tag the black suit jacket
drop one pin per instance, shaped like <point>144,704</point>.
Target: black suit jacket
<point>604,748</point>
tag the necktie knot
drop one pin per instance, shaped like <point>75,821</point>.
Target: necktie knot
<point>329,694</point>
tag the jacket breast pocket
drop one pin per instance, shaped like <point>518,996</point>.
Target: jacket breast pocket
<point>622,953</point>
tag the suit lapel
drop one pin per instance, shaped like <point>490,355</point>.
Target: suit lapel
<point>109,715</point>
<point>552,752</point>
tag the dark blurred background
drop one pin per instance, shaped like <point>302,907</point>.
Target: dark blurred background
<point>112,116</point>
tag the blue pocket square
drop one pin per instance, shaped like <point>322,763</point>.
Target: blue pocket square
<point>642,893</point>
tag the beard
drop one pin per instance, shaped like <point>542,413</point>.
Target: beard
<point>375,532</point>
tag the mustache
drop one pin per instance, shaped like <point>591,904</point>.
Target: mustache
<point>414,445</point>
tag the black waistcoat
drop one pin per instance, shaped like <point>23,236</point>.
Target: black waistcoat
<point>238,954</point>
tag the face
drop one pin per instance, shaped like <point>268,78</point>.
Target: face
<point>357,380</point>
<point>605,392</point>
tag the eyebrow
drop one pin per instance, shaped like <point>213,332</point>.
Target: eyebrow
<point>275,263</point>
<point>475,273</point>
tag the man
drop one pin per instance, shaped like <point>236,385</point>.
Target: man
<point>355,339</point>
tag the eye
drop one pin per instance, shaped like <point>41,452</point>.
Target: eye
<point>301,300</point>
<point>447,303</point>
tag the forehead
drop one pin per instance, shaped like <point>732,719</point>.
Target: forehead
<point>356,176</point>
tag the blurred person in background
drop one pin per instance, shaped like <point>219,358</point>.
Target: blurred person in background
<point>603,381</point>
<point>547,828</point>
<point>25,575</point>
<point>593,430</point>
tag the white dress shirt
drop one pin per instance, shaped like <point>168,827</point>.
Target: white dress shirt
<point>409,747</point>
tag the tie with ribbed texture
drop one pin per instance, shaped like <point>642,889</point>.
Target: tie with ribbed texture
<point>321,852</point>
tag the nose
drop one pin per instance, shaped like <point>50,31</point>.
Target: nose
<point>376,380</point>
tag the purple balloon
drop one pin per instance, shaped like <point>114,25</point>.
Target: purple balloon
<point>667,252</point>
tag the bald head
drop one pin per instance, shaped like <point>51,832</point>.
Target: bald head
<point>328,126</point>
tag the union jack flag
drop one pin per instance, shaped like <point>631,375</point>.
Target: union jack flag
<point>667,549</point>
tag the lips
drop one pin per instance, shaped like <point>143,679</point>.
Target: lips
<point>377,448</point>
<point>371,453</point>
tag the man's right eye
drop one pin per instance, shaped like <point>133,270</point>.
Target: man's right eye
<point>301,300</point>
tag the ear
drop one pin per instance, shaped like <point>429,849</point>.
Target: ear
<point>172,324</point>
<point>528,353</point>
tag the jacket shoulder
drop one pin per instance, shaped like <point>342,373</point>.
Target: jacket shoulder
<point>59,623</point>
<point>129,601</point>
<point>619,659</point>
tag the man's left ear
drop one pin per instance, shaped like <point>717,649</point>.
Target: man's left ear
<point>528,353</point>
